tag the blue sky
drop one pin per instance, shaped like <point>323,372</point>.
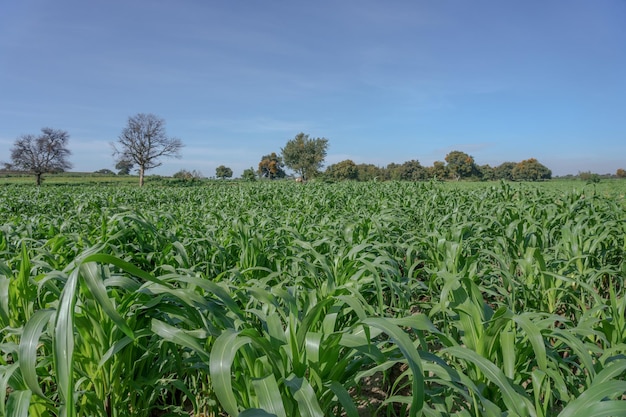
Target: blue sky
<point>384,81</point>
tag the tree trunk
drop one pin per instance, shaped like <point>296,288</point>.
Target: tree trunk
<point>38,178</point>
<point>141,176</point>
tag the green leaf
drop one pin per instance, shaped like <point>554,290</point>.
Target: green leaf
<point>6,372</point>
<point>178,336</point>
<point>256,412</point>
<point>63,345</point>
<point>95,283</point>
<point>125,266</point>
<point>305,396</point>
<point>220,362</point>
<point>611,370</point>
<point>514,400</point>
<point>18,403</point>
<point>28,349</point>
<point>534,337</point>
<point>269,396</point>
<point>414,361</point>
<point>5,284</point>
<point>593,402</point>
<point>344,399</point>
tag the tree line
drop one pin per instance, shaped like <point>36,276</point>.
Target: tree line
<point>143,143</point>
<point>306,156</point>
<point>458,165</point>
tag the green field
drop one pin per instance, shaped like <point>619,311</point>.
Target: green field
<point>348,299</point>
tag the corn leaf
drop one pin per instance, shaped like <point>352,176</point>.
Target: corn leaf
<point>269,396</point>
<point>304,395</point>
<point>220,362</point>
<point>28,349</point>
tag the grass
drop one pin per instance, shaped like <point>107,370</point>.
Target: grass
<point>276,298</point>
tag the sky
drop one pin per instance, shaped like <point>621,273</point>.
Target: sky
<point>383,81</point>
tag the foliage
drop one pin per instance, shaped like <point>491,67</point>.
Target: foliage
<point>530,170</point>
<point>438,171</point>
<point>249,174</point>
<point>589,177</point>
<point>144,142</point>
<point>369,172</point>
<point>124,166</point>
<point>305,155</point>
<point>268,298</point>
<point>461,165</point>
<point>486,172</point>
<point>104,171</point>
<point>344,170</point>
<point>408,171</point>
<point>504,171</point>
<point>271,166</point>
<point>185,175</point>
<point>42,154</point>
<point>620,173</point>
<point>223,172</point>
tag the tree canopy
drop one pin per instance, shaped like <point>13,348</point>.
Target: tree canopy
<point>305,155</point>
<point>248,174</point>
<point>438,171</point>
<point>409,171</point>
<point>531,170</point>
<point>123,166</point>
<point>271,166</point>
<point>41,154</point>
<point>185,175</point>
<point>223,172</point>
<point>461,165</point>
<point>344,170</point>
<point>504,171</point>
<point>144,142</point>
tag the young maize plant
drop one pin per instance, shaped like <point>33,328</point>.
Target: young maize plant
<point>344,299</point>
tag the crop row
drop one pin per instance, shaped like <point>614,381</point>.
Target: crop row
<point>319,299</point>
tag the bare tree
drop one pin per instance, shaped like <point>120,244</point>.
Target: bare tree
<point>144,141</point>
<point>42,154</point>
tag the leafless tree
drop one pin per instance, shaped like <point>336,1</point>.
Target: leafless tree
<point>144,141</point>
<point>42,154</point>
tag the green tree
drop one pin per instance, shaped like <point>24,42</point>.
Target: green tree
<point>123,167</point>
<point>504,171</point>
<point>104,171</point>
<point>531,170</point>
<point>185,175</point>
<point>248,174</point>
<point>461,165</point>
<point>271,166</point>
<point>589,177</point>
<point>144,142</point>
<point>369,172</point>
<point>305,155</point>
<point>41,154</point>
<point>223,172</point>
<point>344,170</point>
<point>438,171</point>
<point>486,172</point>
<point>409,171</point>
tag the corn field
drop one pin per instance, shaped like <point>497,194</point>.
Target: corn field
<point>282,299</point>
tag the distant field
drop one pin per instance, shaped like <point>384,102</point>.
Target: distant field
<point>69,178</point>
<point>606,187</point>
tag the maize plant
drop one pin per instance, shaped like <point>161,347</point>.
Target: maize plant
<point>344,299</point>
